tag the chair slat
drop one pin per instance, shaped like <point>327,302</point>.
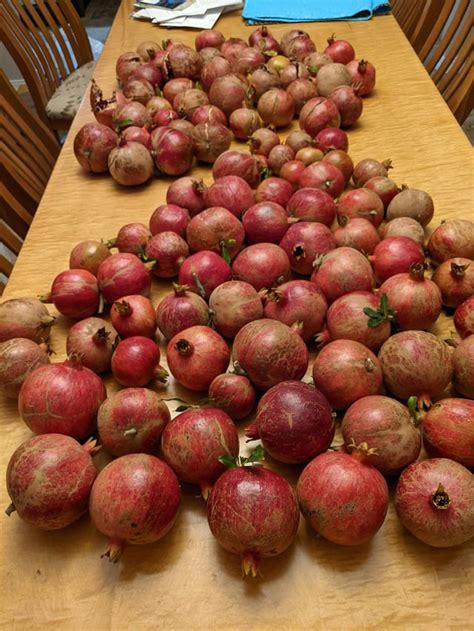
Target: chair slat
<point>10,238</point>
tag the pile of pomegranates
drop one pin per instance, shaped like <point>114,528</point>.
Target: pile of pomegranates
<point>306,296</point>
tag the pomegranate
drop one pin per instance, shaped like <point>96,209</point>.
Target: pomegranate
<point>130,114</point>
<point>157,104</point>
<point>193,442</point>
<point>207,53</point>
<point>169,218</point>
<point>209,141</point>
<point>181,310</point>
<point>301,90</point>
<point>61,398</point>
<point>298,139</point>
<point>332,138</point>
<point>345,362</point>
<point>126,64</point>
<point>331,76</point>
<point>228,92</point>
<point>102,108</point>
<point>74,293</point>
<point>88,255</point>
<point>308,155</point>
<point>183,61</point>
<point>249,59</point>
<point>269,351</point>
<point>294,422</point>
<point>348,102</point>
<point>315,61</point>
<point>233,304</point>
<point>262,81</point>
<point>149,72</point>
<point>292,72</point>
<point>135,362</point>
<point>357,233</point>
<point>92,145</point>
<point>403,227</point>
<point>416,363</point>
<point>172,150</point>
<point>182,125</point>
<point>297,301</point>
<point>448,431</point>
<point>132,238</point>
<point>49,479</point>
<point>361,202</point>
<point>93,340</point>
<point>18,358</point>
<point>132,421</point>
<point>121,275</point>
<point>188,193</point>
<point>463,363</point>
<point>217,67</point>
<point>25,317</point>
<point>241,514</point>
<point>464,318</point>
<point>385,188</point>
<point>204,271</point>
<point>215,229</point>
<point>395,255</point>
<point>234,394</point>
<point>147,49</point>
<point>265,222</point>
<point>363,76</point>
<point>209,37</point>
<point>262,265</point>
<point>186,103</point>
<point>169,252</point>
<point>237,163</point>
<point>276,107</point>
<point>274,189</point>
<point>139,89</point>
<point>133,315</point>
<point>455,278</point>
<point>325,176</point>
<point>162,119</point>
<point>387,426</point>
<point>289,36</point>
<point>342,271</point>
<point>300,47</point>
<point>173,87</point>
<point>304,242</point>
<point>368,168</point>
<point>197,355</point>
<point>258,34</point>
<point>130,164</point>
<point>134,500</point>
<point>291,171</point>
<point>453,238</point>
<point>411,202</point>
<point>340,50</point>
<point>312,204</point>
<point>208,114</point>
<point>434,500</point>
<point>415,299</point>
<point>263,140</point>
<point>343,497</point>
<point>232,192</point>
<point>342,161</point>
<point>278,157</point>
<point>317,114</point>
<point>232,47</point>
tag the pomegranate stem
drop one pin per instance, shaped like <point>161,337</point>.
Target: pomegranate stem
<point>114,551</point>
<point>10,509</point>
<point>250,564</point>
<point>440,499</point>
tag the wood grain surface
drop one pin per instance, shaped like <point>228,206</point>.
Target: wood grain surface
<point>57,581</point>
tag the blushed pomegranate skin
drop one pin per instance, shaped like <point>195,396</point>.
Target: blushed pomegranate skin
<point>304,242</point>
<point>197,355</point>
<point>395,255</point>
<point>317,114</point>
<point>384,187</point>
<point>463,363</point>
<point>49,479</point>
<point>415,298</point>
<point>297,301</point>
<point>132,237</point>
<point>88,255</point>
<point>234,394</point>
<point>262,265</point>
<point>345,371</point>
<point>343,499</point>
<point>203,272</point>
<point>346,320</point>
<point>269,352</point>
<point>134,500</point>
<point>232,305</point>
<point>211,227</point>
<point>188,193</point>
<point>311,204</point>
<point>342,271</point>
<point>93,340</point>
<point>123,275</point>
<point>232,192</point>
<point>92,145</point>
<point>455,278</point>
<point>75,293</point>
<point>386,426</point>
<point>448,431</point>
<point>363,73</point>
<point>133,315</point>
<point>169,251</point>
<point>135,362</point>
<point>132,420</point>
<point>169,217</point>
<point>416,363</point>
<point>253,512</point>
<point>274,189</point>
<point>237,163</point>
<point>181,310</point>
<point>324,176</point>
<point>357,233</point>
<point>193,442</point>
<point>403,227</point>
<point>362,203</point>
<point>265,222</point>
<point>61,399</point>
<point>18,358</point>
<point>417,497</point>
<point>294,422</point>
<point>464,318</point>
<point>452,238</point>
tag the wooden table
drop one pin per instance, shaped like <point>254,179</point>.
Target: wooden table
<point>57,581</point>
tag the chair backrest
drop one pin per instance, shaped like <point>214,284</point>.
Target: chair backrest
<point>28,152</point>
<point>47,41</point>
<point>441,33</point>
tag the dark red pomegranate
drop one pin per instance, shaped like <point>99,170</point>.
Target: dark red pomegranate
<point>133,315</point>
<point>130,114</point>
<point>169,218</point>
<point>232,305</point>
<point>416,363</point>
<point>169,251</point>
<point>342,271</point>
<point>126,64</point>
<point>274,189</point>
<point>134,500</point>
<point>312,204</point>
<point>188,193</point>
<point>232,192</point>
<point>241,514</point>
<point>234,394</point>
<point>92,145</point>
<point>291,171</point>
<point>88,255</point>
<point>74,293</point>
<point>363,76</point>
<point>18,358</point>
<point>237,163</point>
<point>208,114</point>
<point>343,497</point>
<point>304,242</point>
<point>349,104</point>
<point>325,176</point>
<point>209,37</point>
<point>193,442</point>
<point>93,340</point>
<point>139,134</point>
<point>434,500</point>
<point>25,317</point>
<point>332,138</point>
<point>215,229</point>
<point>204,271</point>
<point>357,233</point>
<point>317,114</point>
<point>162,119</point>
<point>49,479</point>
<point>262,265</point>
<point>132,238</point>
<point>269,351</point>
<point>135,362</point>
<point>132,421</point>
<point>463,363</point>
<point>122,275</point>
<point>388,427</point>
<point>342,161</point>
<point>340,50</point>
<point>362,203</point>
<point>452,238</point>
<point>455,278</point>
<point>294,422</point>
<point>172,150</point>
<point>385,188</point>
<point>265,222</point>
<point>197,355</point>
<point>61,398</point>
<point>395,255</point>
<point>464,318</point>
<point>180,310</point>
<point>217,67</point>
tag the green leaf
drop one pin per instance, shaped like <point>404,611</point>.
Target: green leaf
<point>228,461</point>
<point>371,312</point>
<point>373,323</point>
<point>257,455</point>
<point>122,124</point>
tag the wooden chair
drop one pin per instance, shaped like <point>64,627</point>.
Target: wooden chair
<point>440,31</point>
<point>49,44</point>
<point>28,152</point>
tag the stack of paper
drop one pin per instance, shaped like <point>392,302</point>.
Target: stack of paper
<point>191,14</point>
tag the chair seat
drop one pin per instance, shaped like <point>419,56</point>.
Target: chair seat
<point>65,101</point>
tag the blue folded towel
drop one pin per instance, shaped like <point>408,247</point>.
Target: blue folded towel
<point>258,11</point>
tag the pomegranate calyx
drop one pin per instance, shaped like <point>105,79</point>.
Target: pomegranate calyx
<point>331,39</point>
<point>362,67</point>
<point>298,251</point>
<point>91,446</point>
<point>161,374</point>
<point>380,315</point>
<point>250,564</point>
<point>321,338</point>
<point>114,551</point>
<point>440,499</point>
<point>179,290</point>
<point>362,450</point>
<point>47,321</point>
<point>238,370</point>
<point>458,270</point>
<point>123,307</point>
<point>205,489</point>
<point>424,401</point>
<point>417,271</point>
<point>46,298</point>
<point>343,220</point>
<point>184,348</point>
<point>74,360</point>
<point>10,509</point>
<point>387,164</point>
